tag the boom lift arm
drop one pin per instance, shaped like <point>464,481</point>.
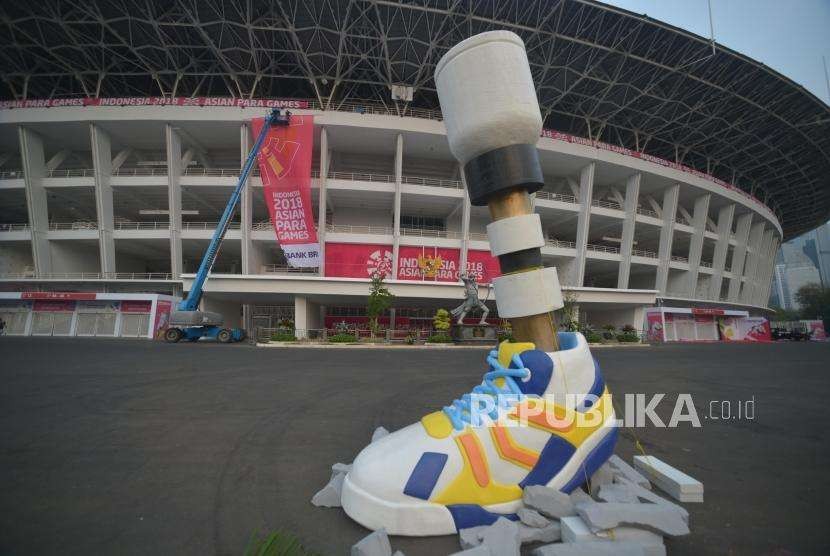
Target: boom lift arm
<point>194,323</point>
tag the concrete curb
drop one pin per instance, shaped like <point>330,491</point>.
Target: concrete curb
<point>421,346</point>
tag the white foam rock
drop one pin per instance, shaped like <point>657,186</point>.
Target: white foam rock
<point>374,544</point>
<point>329,496</point>
<point>549,533</point>
<point>621,469</point>
<point>379,433</point>
<point>656,517</point>
<point>673,482</point>
<point>548,501</point>
<point>502,538</point>
<point>531,517</point>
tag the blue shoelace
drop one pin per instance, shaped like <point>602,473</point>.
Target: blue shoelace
<point>459,412</point>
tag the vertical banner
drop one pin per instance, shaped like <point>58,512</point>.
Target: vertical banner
<point>654,326</point>
<point>285,167</point>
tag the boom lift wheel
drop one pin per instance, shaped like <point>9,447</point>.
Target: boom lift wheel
<point>172,335</point>
<point>225,336</point>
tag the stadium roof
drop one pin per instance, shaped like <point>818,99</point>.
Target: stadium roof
<point>601,72</point>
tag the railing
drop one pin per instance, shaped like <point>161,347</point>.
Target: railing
<point>88,276</point>
<point>644,253</point>
<point>321,335</point>
<point>560,243</point>
<point>208,225</point>
<point>141,171</point>
<point>705,264</point>
<point>647,212</point>
<point>285,269</point>
<point>350,229</point>
<point>478,236</point>
<point>679,259</point>
<point>432,182</point>
<point>562,197</point>
<point>602,248</point>
<point>221,172</point>
<point>417,232</point>
<point>262,226</point>
<point>142,225</point>
<point>14,227</point>
<point>71,173</point>
<point>359,176</point>
<point>11,174</point>
<point>73,225</point>
<point>606,204</point>
<point>379,109</point>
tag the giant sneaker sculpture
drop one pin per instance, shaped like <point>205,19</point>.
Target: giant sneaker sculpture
<point>544,419</point>
<point>542,415</point>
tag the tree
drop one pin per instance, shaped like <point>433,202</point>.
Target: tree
<point>441,320</point>
<point>784,315</point>
<point>380,299</point>
<point>814,300</point>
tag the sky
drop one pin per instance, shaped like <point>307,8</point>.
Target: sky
<point>790,36</point>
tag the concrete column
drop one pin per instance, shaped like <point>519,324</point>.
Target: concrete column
<point>586,193</point>
<point>396,212</point>
<point>102,163</point>
<point>632,194</point>
<point>669,210</point>
<point>699,216</point>
<point>34,169</point>
<point>246,205</point>
<point>724,230</point>
<point>762,268</point>
<point>174,197</point>
<point>322,205</point>
<point>306,316</point>
<point>767,284</point>
<point>465,225</point>
<point>738,255</point>
<point>756,237</point>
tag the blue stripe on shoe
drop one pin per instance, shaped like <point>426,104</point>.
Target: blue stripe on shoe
<point>425,475</point>
<point>471,515</point>
<point>594,461</point>
<point>596,389</point>
<point>541,370</point>
<point>556,453</point>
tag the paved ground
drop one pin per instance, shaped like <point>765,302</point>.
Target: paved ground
<point>129,447</point>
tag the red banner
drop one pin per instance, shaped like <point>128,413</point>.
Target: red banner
<point>358,260</point>
<point>134,306</point>
<point>285,167</point>
<point>427,264</point>
<point>54,305</point>
<point>57,295</point>
<point>158,101</point>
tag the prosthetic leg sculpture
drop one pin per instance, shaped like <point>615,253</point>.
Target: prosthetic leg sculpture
<point>542,414</point>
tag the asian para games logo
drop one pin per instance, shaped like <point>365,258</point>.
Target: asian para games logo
<point>278,155</point>
<point>379,262</point>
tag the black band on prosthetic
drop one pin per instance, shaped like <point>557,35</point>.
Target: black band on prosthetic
<point>503,169</point>
<point>520,260</point>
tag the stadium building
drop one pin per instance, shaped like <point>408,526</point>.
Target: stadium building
<point>674,167</point>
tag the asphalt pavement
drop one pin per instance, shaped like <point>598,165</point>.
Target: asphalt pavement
<point>137,447</point>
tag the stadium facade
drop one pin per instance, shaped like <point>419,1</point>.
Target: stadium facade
<point>655,194</point>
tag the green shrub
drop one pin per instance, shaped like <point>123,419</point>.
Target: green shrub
<point>592,337</point>
<point>628,337</point>
<point>506,336</point>
<point>276,544</point>
<point>343,338</point>
<point>628,328</point>
<point>283,337</point>
<point>439,339</point>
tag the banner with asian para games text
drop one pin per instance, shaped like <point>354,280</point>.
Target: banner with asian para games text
<point>285,168</point>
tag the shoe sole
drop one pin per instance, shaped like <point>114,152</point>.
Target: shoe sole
<point>421,519</point>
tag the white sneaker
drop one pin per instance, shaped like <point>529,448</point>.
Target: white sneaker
<point>443,474</point>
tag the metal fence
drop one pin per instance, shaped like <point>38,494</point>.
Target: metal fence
<point>324,335</point>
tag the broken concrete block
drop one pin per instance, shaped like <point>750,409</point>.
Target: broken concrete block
<point>379,433</point>
<point>602,476</point>
<point>532,518</point>
<point>673,482</point>
<point>620,468</point>
<point>611,548</point>
<point>574,529</point>
<point>549,533</point>
<point>578,496</point>
<point>618,493</point>
<point>471,537</point>
<point>480,550</point>
<point>548,501</point>
<point>649,496</point>
<point>329,495</point>
<point>374,544</point>
<point>632,534</point>
<point>656,517</point>
<point>502,538</point>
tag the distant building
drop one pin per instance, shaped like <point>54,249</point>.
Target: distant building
<point>799,263</point>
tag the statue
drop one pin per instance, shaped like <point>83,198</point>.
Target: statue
<point>471,301</point>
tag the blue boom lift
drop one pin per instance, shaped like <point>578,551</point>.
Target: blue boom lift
<point>187,321</point>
